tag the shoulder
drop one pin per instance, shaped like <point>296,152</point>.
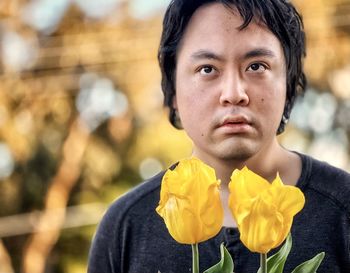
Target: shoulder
<point>109,241</point>
<point>327,180</point>
<point>139,198</point>
<point>139,201</point>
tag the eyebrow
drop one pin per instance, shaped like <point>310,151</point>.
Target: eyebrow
<point>258,52</point>
<point>205,54</point>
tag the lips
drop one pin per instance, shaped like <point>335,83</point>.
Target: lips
<point>235,120</point>
<point>236,124</point>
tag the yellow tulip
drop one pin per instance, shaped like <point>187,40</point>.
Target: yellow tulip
<point>190,202</point>
<point>263,212</point>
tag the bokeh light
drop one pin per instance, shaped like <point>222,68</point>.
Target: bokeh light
<point>150,167</point>
<point>98,100</point>
<point>98,9</point>
<point>144,10</point>
<point>44,15</point>
<point>18,52</point>
<point>7,163</point>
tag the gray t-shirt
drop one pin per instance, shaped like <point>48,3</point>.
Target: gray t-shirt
<point>133,238</point>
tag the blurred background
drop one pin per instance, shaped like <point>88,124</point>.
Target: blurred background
<point>82,121</point>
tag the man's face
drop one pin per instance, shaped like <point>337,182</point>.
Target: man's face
<point>230,85</point>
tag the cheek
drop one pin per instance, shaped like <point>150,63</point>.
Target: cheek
<point>274,97</point>
<point>194,113</point>
<point>271,105</point>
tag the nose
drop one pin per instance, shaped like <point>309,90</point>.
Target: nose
<point>233,91</point>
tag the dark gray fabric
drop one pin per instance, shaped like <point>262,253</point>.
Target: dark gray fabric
<point>133,238</point>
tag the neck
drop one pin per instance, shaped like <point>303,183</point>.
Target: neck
<point>266,163</point>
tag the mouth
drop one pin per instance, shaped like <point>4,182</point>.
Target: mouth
<point>236,124</point>
<point>235,120</point>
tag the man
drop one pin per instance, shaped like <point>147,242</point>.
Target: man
<point>231,71</point>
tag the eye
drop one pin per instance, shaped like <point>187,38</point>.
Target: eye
<point>257,67</point>
<point>206,70</point>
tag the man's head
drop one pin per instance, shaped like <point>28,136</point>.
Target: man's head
<point>279,16</point>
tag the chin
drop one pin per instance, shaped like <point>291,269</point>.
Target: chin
<point>236,156</point>
<point>237,151</point>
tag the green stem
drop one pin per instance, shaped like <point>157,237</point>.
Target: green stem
<point>263,262</point>
<point>195,259</point>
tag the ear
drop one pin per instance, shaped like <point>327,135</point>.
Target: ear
<point>174,102</point>
<point>175,114</point>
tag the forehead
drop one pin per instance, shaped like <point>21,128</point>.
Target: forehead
<point>219,27</point>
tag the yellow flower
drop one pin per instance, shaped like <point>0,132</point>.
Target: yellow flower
<point>263,212</point>
<point>190,202</point>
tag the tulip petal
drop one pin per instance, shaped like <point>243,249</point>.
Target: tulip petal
<point>264,212</point>
<point>289,199</point>
<point>190,202</point>
<point>260,226</point>
<point>249,182</point>
<point>245,184</point>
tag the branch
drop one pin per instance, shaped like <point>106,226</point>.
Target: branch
<point>48,227</point>
<point>5,260</point>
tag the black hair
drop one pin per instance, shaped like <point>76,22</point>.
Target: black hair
<point>280,17</point>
